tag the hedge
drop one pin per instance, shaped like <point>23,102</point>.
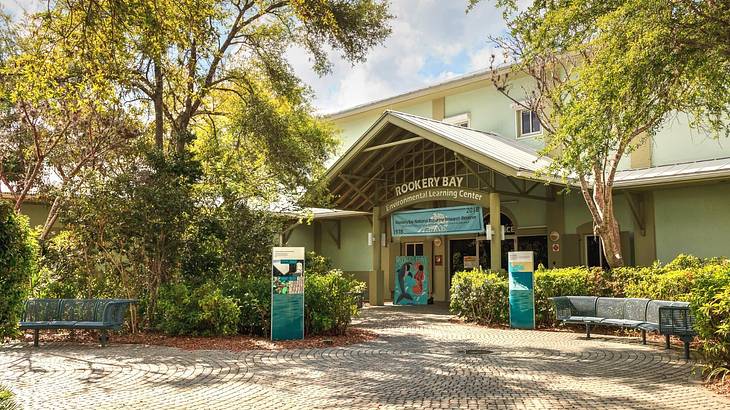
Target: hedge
<point>18,257</point>
<point>482,297</point>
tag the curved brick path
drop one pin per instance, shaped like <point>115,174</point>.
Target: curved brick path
<point>418,362</point>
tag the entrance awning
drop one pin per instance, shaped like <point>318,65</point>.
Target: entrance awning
<point>402,148</point>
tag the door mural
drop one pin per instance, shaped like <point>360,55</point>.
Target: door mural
<point>412,280</point>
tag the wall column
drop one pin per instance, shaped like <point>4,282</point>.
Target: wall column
<point>556,223</point>
<point>496,243</point>
<point>376,285</point>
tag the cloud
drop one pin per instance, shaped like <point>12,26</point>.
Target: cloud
<point>432,40</point>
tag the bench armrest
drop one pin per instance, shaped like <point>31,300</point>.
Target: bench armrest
<point>563,307</point>
<point>676,320</point>
<point>114,311</point>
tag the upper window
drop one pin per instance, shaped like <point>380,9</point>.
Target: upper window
<point>529,123</point>
<point>461,120</point>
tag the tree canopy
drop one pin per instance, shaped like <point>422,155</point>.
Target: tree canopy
<point>605,76</point>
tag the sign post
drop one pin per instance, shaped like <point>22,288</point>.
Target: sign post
<point>521,290</point>
<point>412,280</point>
<point>287,293</point>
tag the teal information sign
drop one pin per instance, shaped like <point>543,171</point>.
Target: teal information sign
<point>287,294</point>
<point>438,221</point>
<point>521,290</point>
<point>412,280</point>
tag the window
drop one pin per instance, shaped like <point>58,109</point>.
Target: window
<point>529,123</point>
<point>414,249</point>
<point>461,120</point>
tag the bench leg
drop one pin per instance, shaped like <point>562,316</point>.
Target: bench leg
<point>588,331</point>
<point>103,337</point>
<point>643,337</point>
<point>686,350</point>
<point>35,337</point>
<point>666,342</point>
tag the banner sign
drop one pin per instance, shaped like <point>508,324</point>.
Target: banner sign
<point>287,293</point>
<point>412,280</point>
<point>438,221</point>
<point>521,290</point>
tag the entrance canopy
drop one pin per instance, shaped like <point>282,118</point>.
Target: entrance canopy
<point>404,159</point>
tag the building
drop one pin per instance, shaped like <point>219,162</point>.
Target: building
<point>461,142</point>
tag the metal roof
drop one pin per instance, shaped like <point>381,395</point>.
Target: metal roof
<point>664,174</point>
<point>506,151</point>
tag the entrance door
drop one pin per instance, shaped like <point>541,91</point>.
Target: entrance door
<point>458,248</point>
<point>485,251</point>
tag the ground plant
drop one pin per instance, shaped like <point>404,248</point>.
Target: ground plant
<point>18,252</point>
<point>6,399</point>
<point>481,296</point>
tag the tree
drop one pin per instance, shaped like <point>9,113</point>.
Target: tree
<point>175,55</point>
<point>603,78</point>
<point>58,123</point>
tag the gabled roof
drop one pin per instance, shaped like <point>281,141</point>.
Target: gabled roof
<point>499,153</point>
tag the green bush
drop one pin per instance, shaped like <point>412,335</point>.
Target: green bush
<point>18,256</point>
<point>559,282</point>
<point>480,296</point>
<point>203,311</point>
<point>330,302</point>
<point>254,296</point>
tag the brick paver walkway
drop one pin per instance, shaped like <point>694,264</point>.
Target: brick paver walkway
<point>421,360</point>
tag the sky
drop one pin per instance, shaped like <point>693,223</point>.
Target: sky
<point>431,41</point>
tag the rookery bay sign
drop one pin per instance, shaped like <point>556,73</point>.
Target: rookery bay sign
<point>425,183</point>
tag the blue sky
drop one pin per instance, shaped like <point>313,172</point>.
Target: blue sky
<point>432,40</point>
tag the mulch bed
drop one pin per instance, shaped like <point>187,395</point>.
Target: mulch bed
<point>720,387</point>
<point>233,343</point>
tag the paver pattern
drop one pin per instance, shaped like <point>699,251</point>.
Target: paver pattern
<point>421,360</point>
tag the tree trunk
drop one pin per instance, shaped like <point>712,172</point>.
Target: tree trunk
<point>611,241</point>
<point>51,218</point>
<point>158,104</point>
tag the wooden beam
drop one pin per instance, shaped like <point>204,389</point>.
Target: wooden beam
<point>392,144</point>
<point>473,171</point>
<point>637,210</point>
<point>356,189</point>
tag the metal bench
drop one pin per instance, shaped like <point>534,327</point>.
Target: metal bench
<point>669,318</point>
<point>99,314</point>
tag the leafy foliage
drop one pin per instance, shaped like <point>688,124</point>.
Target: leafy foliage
<point>203,311</point>
<point>603,77</point>
<point>482,297</point>
<point>18,253</point>
<point>330,302</point>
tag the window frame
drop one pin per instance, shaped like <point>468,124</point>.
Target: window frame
<point>414,245</point>
<point>521,134</point>
<point>459,120</point>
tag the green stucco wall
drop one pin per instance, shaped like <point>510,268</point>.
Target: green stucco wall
<point>677,142</point>
<point>693,220</point>
<point>577,214</point>
<point>354,253</point>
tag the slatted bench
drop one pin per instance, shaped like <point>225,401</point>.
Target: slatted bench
<point>668,318</point>
<point>98,314</point>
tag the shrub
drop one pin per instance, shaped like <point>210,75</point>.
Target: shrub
<point>330,302</point>
<point>480,296</point>
<point>254,296</point>
<point>18,255</point>
<point>203,311</point>
<point>558,282</point>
